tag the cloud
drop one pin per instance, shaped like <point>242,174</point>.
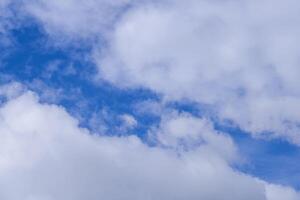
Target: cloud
<point>3,14</point>
<point>11,90</point>
<point>74,19</point>
<point>277,192</point>
<point>186,132</point>
<point>241,57</point>
<point>5,23</point>
<point>128,122</point>
<point>45,155</point>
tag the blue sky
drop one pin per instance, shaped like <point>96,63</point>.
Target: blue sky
<point>135,71</point>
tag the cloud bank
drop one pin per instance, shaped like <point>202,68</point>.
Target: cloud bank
<point>240,57</point>
<point>45,155</point>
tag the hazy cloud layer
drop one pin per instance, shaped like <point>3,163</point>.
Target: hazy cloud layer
<point>4,14</point>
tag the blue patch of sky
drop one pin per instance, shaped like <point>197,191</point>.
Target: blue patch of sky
<point>273,160</point>
<point>41,68</point>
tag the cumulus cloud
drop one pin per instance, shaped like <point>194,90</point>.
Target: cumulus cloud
<point>45,155</point>
<point>239,56</point>
<point>277,192</point>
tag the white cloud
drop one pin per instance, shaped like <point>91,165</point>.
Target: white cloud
<point>185,132</point>
<point>44,155</point>
<point>82,19</point>
<point>277,192</point>
<point>239,56</point>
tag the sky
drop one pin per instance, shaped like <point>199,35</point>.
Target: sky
<point>148,99</point>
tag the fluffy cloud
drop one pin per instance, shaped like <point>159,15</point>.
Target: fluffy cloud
<point>185,132</point>
<point>276,192</point>
<point>242,57</point>
<point>45,155</point>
